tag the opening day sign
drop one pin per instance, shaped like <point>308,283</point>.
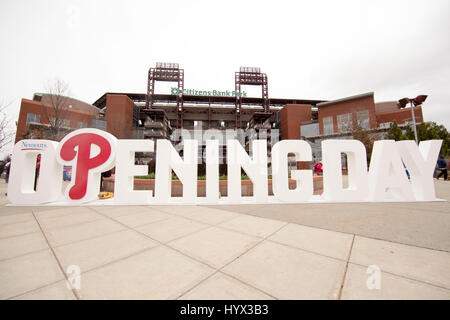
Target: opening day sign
<point>91,151</point>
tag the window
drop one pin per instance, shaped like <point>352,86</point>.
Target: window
<point>363,119</point>
<point>99,124</point>
<point>345,122</point>
<point>385,124</point>
<point>309,130</point>
<point>328,125</point>
<point>33,118</point>
<point>82,125</point>
<point>63,123</point>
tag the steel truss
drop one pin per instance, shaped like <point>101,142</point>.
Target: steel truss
<point>254,77</point>
<point>169,72</point>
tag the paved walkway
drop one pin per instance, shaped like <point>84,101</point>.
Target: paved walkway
<point>233,252</point>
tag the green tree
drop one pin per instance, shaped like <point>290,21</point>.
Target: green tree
<point>425,131</point>
<point>395,132</point>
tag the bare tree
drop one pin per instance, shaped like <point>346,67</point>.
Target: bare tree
<point>366,138</point>
<point>57,98</point>
<point>6,134</point>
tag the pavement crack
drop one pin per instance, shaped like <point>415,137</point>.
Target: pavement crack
<point>341,287</point>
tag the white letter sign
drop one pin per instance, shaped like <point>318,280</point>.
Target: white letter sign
<point>38,180</point>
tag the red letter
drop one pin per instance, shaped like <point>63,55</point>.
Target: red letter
<point>84,142</point>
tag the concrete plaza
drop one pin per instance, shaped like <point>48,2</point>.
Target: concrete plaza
<point>311,251</point>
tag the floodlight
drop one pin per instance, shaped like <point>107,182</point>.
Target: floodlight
<point>402,103</point>
<point>419,99</point>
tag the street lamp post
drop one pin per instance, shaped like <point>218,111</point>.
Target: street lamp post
<point>414,121</point>
<point>417,101</point>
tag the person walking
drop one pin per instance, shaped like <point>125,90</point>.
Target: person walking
<point>442,167</point>
<point>7,168</point>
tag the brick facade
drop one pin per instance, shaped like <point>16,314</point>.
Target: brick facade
<point>400,116</point>
<point>119,115</point>
<point>291,117</point>
<point>348,105</point>
<point>44,111</point>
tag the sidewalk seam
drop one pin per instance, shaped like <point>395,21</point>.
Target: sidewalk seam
<point>404,277</point>
<point>215,270</point>
<point>341,287</point>
<point>56,258</point>
<point>226,264</point>
<point>355,234</point>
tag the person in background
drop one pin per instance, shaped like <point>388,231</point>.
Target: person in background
<point>105,174</point>
<point>2,166</point>
<point>36,173</point>
<point>442,167</point>
<point>317,168</point>
<point>7,167</point>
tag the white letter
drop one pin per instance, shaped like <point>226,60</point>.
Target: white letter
<point>212,170</point>
<point>387,172</point>
<point>167,159</point>
<point>22,173</point>
<point>358,187</point>
<point>420,162</point>
<point>280,177</point>
<point>126,170</point>
<point>255,168</point>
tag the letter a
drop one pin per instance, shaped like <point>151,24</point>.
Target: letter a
<point>387,172</point>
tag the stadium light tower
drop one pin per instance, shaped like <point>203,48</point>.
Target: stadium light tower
<point>417,101</point>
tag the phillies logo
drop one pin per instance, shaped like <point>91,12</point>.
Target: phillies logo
<point>91,151</point>
<point>79,148</point>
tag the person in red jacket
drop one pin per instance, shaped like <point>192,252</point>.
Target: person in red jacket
<point>317,168</point>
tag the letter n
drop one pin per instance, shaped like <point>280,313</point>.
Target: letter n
<point>255,167</point>
<point>167,159</point>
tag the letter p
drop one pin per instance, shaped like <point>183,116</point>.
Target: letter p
<point>90,152</point>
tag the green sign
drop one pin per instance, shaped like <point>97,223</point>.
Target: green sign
<point>214,93</point>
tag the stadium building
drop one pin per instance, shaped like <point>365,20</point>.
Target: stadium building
<point>157,116</point>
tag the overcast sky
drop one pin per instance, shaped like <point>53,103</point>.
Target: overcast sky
<point>309,49</point>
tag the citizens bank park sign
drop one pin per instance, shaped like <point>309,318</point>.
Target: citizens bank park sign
<point>215,93</point>
<point>91,152</point>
